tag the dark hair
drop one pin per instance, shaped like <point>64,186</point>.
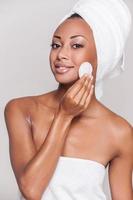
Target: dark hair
<point>75,15</point>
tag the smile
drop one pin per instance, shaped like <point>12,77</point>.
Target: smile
<point>61,69</point>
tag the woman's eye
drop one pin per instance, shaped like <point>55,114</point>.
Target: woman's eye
<point>55,46</point>
<point>75,46</point>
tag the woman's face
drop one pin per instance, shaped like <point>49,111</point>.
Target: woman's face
<point>72,44</point>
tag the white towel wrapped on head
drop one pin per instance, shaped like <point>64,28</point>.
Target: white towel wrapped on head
<point>110,21</point>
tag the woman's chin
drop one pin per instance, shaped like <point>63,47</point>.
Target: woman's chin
<point>66,80</point>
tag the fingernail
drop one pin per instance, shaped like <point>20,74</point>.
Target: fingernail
<point>86,75</point>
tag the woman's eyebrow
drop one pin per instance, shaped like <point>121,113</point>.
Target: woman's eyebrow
<point>74,36</point>
<point>56,36</point>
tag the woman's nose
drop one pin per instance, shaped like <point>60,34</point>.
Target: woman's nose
<point>63,53</point>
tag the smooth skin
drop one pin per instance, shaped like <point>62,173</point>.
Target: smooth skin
<point>69,121</point>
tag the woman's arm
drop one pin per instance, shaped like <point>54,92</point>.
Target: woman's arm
<point>34,169</point>
<point>120,169</point>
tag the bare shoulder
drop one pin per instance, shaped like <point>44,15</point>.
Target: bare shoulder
<point>121,127</point>
<point>23,104</point>
<point>124,133</point>
<point>28,104</point>
<point>121,131</point>
<point>118,125</point>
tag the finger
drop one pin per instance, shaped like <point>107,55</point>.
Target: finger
<point>88,99</point>
<point>81,96</point>
<point>87,91</point>
<point>77,86</point>
<point>81,92</point>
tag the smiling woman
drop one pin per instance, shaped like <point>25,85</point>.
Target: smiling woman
<point>73,39</point>
<point>61,142</point>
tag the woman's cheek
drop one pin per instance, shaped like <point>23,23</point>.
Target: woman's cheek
<point>80,57</point>
<point>51,60</point>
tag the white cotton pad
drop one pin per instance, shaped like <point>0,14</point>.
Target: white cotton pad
<point>85,68</point>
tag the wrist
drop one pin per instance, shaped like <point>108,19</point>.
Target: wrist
<point>61,114</point>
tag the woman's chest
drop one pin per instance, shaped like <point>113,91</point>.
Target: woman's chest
<point>86,140</point>
<point>79,134</point>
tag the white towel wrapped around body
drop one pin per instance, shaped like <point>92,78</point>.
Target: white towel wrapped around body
<point>110,21</point>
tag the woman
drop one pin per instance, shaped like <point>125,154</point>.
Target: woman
<point>62,141</point>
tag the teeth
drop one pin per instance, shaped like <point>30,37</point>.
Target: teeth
<point>62,67</point>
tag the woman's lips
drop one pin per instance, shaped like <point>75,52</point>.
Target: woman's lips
<point>62,69</point>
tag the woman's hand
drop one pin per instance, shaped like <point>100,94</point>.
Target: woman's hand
<point>78,97</point>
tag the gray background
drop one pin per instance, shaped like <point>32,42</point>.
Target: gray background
<point>26,27</point>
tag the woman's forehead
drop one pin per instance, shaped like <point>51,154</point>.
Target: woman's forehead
<point>75,26</point>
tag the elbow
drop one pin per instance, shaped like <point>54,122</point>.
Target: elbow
<point>28,190</point>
